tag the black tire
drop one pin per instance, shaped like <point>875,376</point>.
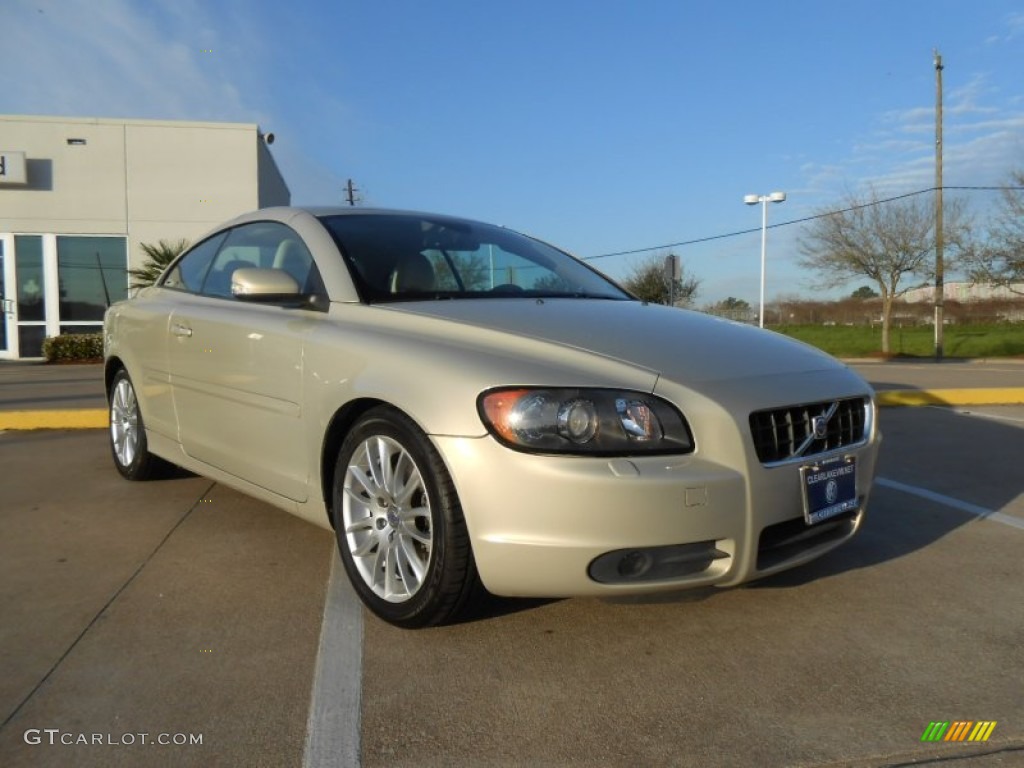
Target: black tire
<point>127,433</point>
<point>403,540</point>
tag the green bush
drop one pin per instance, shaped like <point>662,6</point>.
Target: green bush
<point>73,347</point>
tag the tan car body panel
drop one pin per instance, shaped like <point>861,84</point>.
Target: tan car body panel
<point>271,385</point>
<point>237,387</point>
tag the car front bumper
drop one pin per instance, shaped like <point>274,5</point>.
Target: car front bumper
<point>539,523</point>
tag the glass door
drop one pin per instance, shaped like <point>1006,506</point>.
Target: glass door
<point>6,302</point>
<point>54,284</point>
<point>30,295</point>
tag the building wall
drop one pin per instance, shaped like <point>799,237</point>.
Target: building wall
<point>272,188</point>
<point>128,182</point>
<point>144,179</point>
<point>70,188</point>
<point>965,292</point>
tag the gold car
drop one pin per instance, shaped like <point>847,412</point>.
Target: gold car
<point>466,405</point>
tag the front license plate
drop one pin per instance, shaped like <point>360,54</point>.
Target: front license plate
<point>830,488</point>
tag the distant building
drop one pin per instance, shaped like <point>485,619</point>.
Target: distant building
<point>964,292</point>
<point>78,196</point>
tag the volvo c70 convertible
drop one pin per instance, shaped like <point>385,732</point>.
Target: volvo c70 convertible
<point>464,405</point>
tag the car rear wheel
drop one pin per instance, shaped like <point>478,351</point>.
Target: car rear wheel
<point>127,433</point>
<point>400,529</point>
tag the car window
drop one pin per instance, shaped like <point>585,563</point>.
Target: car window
<point>263,244</point>
<point>492,268</point>
<point>406,257</point>
<point>188,273</point>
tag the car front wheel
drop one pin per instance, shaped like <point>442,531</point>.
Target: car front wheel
<point>400,529</point>
<point>128,434</point>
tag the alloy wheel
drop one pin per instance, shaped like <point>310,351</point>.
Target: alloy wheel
<point>124,423</point>
<point>387,520</point>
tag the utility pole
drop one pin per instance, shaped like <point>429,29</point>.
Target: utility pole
<point>673,274</point>
<point>939,234</point>
<point>350,192</point>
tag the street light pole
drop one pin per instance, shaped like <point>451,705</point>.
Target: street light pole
<point>774,197</point>
<point>940,289</point>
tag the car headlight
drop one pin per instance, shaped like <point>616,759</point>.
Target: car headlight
<point>597,422</point>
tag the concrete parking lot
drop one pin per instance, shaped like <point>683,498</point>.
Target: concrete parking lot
<point>178,608</point>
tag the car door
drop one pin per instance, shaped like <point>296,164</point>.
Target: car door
<point>237,367</point>
<point>147,320</point>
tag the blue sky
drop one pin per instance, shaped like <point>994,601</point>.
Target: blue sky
<point>599,126</point>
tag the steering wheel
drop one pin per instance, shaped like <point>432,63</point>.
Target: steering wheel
<point>507,288</point>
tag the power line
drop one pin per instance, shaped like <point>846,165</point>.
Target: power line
<point>787,223</point>
<point>996,189</point>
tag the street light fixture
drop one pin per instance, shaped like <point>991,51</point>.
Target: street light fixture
<point>774,197</point>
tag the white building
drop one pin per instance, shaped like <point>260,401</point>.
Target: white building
<point>79,195</point>
<point>964,292</point>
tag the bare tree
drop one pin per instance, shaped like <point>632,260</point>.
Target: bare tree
<point>887,242</point>
<point>459,271</point>
<point>1000,261</point>
<point>649,281</point>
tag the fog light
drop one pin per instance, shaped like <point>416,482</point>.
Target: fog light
<point>635,564</point>
<point>673,561</point>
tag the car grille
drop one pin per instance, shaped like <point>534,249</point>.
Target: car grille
<point>781,434</point>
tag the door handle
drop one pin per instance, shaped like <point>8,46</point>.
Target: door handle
<point>181,330</point>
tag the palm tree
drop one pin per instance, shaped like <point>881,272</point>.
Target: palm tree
<point>158,257</point>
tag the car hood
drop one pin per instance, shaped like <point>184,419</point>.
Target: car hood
<point>682,345</point>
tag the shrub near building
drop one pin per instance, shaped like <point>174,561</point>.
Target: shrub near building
<point>74,348</point>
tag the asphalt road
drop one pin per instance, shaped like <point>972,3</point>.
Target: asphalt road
<point>950,374</point>
<point>181,608</point>
<point>37,386</point>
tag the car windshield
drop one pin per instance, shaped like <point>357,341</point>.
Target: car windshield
<point>407,257</point>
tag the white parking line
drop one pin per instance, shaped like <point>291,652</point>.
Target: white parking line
<point>996,417</point>
<point>332,731</point>
<point>949,501</point>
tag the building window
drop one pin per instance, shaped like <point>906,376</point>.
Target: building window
<point>92,274</point>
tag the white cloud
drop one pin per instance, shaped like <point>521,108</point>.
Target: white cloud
<point>108,58</point>
<point>166,59</point>
<point>908,120</point>
<point>966,99</point>
<point>983,138</point>
<point>1014,26</point>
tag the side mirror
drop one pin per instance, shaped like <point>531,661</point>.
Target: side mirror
<point>269,285</point>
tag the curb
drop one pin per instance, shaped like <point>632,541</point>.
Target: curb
<point>96,418</point>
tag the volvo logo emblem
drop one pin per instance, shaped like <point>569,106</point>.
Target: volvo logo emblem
<point>820,426</point>
<point>832,491</point>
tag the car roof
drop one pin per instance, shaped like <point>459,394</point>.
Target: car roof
<point>286,213</point>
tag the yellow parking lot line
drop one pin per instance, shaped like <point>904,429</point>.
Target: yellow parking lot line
<point>985,396</point>
<point>81,418</point>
